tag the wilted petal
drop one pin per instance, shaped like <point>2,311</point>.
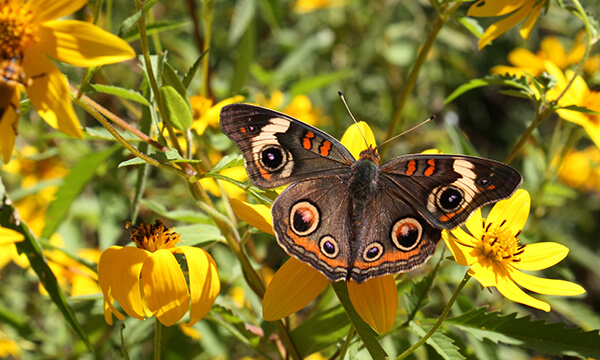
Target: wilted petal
<point>376,301</point>
<point>204,281</point>
<point>514,210</point>
<point>541,256</point>
<point>43,10</point>
<point>49,94</point>
<point>256,215</point>
<point>82,44</point>
<point>293,287</point>
<point>165,289</point>
<point>512,292</point>
<point>106,266</point>
<point>545,286</point>
<point>125,280</point>
<point>355,142</point>
<point>8,125</point>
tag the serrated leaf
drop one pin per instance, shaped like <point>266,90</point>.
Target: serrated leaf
<point>228,161</point>
<point>547,338</point>
<point>189,75</point>
<point>121,92</point>
<point>80,174</point>
<point>581,109</point>
<point>128,24</point>
<point>177,111</point>
<point>31,248</point>
<point>419,292</point>
<point>199,235</point>
<point>441,343</point>
<point>320,331</point>
<point>366,334</point>
<point>499,80</point>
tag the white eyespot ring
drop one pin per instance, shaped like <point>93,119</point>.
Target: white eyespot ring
<point>373,252</point>
<point>406,234</point>
<point>329,247</point>
<point>304,218</point>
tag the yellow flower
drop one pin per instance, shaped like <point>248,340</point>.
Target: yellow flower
<point>304,6</point>
<point>206,114</point>
<point>8,250</point>
<point>300,107</point>
<point>296,284</point>
<point>551,49</point>
<point>518,10</point>
<point>9,349</point>
<point>496,258</point>
<point>581,169</point>
<point>148,279</point>
<point>29,34</point>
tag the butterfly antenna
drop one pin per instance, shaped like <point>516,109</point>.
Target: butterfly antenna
<point>407,131</point>
<point>352,116</point>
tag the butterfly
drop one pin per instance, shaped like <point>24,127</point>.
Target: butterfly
<point>358,219</point>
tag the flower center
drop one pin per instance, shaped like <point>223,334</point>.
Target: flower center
<point>153,237</point>
<point>16,30</point>
<point>499,244</point>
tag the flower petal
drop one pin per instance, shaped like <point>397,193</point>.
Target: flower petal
<point>49,94</point>
<point>486,275</point>
<point>9,236</point>
<point>105,274</point>
<point>256,215</point>
<point>459,251</point>
<point>541,256</point>
<point>514,210</point>
<point>8,126</point>
<point>475,224</point>
<point>124,279</point>
<point>43,10</point>
<point>502,26</point>
<point>165,289</point>
<point>204,281</point>
<point>376,301</point>
<point>512,292</point>
<point>354,140</point>
<point>545,286</point>
<point>527,26</point>
<point>487,8</point>
<point>293,287</point>
<point>82,44</point>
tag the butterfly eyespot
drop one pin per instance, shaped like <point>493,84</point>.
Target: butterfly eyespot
<point>251,128</point>
<point>329,247</point>
<point>483,181</point>
<point>373,252</point>
<point>406,234</point>
<point>304,218</point>
<point>449,198</point>
<point>273,157</point>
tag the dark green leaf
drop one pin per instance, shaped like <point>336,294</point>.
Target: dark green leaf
<point>245,56</point>
<point>581,109</point>
<point>552,339</point>
<point>442,344</point>
<point>313,83</point>
<point>498,80</point>
<point>155,28</point>
<point>131,21</point>
<point>80,174</point>
<point>177,110</point>
<point>419,292</point>
<point>321,331</point>
<point>237,327</point>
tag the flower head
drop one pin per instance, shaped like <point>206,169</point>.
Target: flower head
<point>8,250</point>
<point>518,10</point>
<point>29,32</point>
<point>496,257</point>
<point>296,284</point>
<point>149,280</point>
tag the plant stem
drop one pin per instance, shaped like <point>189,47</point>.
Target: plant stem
<point>207,12</point>
<point>542,112</point>
<point>347,343</point>
<point>444,16</point>
<point>157,339</point>
<point>439,321</point>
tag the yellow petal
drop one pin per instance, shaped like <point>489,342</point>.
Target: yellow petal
<point>256,215</point>
<point>9,236</point>
<point>475,224</point>
<point>49,94</point>
<point>376,301</point>
<point>125,280</point>
<point>502,26</point>
<point>354,140</point>
<point>106,267</point>
<point>541,256</point>
<point>460,252</point>
<point>486,275</point>
<point>512,292</point>
<point>43,10</point>
<point>82,44</point>
<point>545,286</point>
<point>514,210</point>
<point>553,50</point>
<point>8,125</point>
<point>527,26</point>
<point>165,289</point>
<point>204,281</point>
<point>293,287</point>
<point>486,8</point>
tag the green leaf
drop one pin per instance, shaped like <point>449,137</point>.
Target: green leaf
<point>199,235</point>
<point>80,174</point>
<point>169,77</point>
<point>243,14</point>
<point>321,331</point>
<point>155,28</point>
<point>182,215</point>
<point>245,57</point>
<point>121,92</point>
<point>366,334</point>
<point>499,80</point>
<point>237,327</point>
<point>419,292</point>
<point>169,156</point>
<point>313,83</point>
<point>101,133</point>
<point>472,25</point>
<point>189,75</point>
<point>547,338</point>
<point>131,22</point>
<point>177,111</point>
<point>31,248</point>
<point>228,161</point>
<point>581,109</point>
<point>441,343</point>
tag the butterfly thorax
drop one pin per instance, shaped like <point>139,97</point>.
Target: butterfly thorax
<point>364,181</point>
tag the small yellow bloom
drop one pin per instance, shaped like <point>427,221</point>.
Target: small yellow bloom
<point>29,34</point>
<point>581,169</point>
<point>8,348</point>
<point>148,279</point>
<point>296,284</point>
<point>518,10</point>
<point>304,6</point>
<point>496,258</point>
<point>300,107</point>
<point>206,114</point>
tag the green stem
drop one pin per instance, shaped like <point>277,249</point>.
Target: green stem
<point>439,321</point>
<point>444,16</point>
<point>346,346</point>
<point>207,12</point>
<point>157,339</point>
<point>542,112</point>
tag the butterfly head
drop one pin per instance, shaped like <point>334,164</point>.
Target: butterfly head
<point>371,154</point>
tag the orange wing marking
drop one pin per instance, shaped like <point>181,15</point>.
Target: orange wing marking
<point>307,140</point>
<point>325,148</point>
<point>429,171</point>
<point>411,167</point>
